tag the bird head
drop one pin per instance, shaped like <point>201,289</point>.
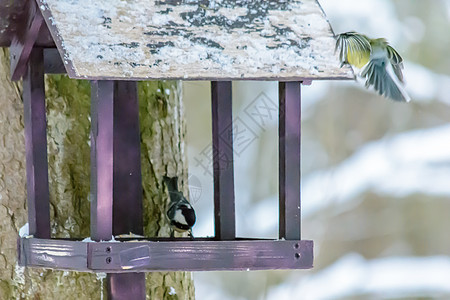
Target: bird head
<point>182,217</point>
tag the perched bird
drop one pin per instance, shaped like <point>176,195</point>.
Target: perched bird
<point>380,64</point>
<point>180,212</point>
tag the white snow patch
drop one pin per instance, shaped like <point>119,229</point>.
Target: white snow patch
<point>172,291</point>
<point>24,231</point>
<point>159,19</point>
<point>89,240</point>
<point>19,274</point>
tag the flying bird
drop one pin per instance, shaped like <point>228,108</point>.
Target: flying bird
<point>380,64</point>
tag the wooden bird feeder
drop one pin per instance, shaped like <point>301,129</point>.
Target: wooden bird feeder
<point>116,43</point>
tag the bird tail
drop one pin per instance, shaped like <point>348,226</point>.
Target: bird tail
<point>172,183</point>
<point>380,74</point>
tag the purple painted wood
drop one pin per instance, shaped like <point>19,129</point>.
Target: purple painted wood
<point>44,38</point>
<point>36,146</point>
<point>201,255</point>
<point>102,116</point>
<point>127,184</point>
<point>289,160</point>
<point>149,256</point>
<point>222,138</point>
<point>127,209</point>
<point>126,286</point>
<point>14,16</point>
<point>22,43</point>
<point>45,10</point>
<point>11,13</point>
<point>53,253</point>
<point>52,62</point>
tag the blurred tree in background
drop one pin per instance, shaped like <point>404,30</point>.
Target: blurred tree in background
<point>375,173</point>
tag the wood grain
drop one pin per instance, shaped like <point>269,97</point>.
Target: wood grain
<point>181,255</point>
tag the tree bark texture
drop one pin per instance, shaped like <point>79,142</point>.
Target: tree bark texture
<point>68,116</point>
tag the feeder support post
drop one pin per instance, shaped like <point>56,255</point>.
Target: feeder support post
<point>289,160</point>
<point>127,185</point>
<point>102,118</point>
<point>116,187</point>
<point>222,152</point>
<point>36,146</point>
<point>127,181</point>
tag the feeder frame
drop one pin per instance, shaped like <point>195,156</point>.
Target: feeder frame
<point>37,48</point>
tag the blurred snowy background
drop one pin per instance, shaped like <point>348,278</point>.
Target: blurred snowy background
<point>375,174</point>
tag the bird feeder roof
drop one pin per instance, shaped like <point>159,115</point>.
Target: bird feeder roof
<point>193,39</point>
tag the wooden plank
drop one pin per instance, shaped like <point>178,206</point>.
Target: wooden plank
<point>289,160</point>
<point>224,40</point>
<point>127,185</point>
<point>201,256</point>
<point>223,170</point>
<point>127,208</point>
<point>126,286</point>
<point>36,146</point>
<point>102,118</point>
<point>147,256</point>
<point>52,253</point>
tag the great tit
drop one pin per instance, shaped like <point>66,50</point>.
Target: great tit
<point>381,65</point>
<point>180,212</point>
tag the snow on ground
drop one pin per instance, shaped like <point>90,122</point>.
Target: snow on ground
<point>411,162</point>
<point>383,278</point>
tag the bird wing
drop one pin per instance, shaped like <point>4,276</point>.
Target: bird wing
<point>396,61</point>
<point>380,74</point>
<point>354,48</point>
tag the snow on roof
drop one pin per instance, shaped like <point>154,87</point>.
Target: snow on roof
<point>184,39</point>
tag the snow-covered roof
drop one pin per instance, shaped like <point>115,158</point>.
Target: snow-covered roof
<point>194,39</point>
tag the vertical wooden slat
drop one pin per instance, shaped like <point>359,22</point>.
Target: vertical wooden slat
<point>222,132</point>
<point>124,286</point>
<point>289,160</point>
<point>127,208</point>
<point>127,185</point>
<point>102,117</point>
<point>36,146</point>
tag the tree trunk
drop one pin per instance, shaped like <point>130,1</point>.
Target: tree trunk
<point>68,117</point>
